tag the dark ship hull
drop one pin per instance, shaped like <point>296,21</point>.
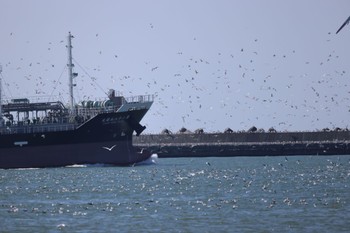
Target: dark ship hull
<point>49,134</point>
<point>104,139</point>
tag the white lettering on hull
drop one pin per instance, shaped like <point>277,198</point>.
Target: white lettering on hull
<point>21,143</point>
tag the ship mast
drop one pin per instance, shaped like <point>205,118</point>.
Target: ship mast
<point>0,97</point>
<point>70,72</point>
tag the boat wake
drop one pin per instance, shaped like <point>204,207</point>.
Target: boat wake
<point>89,165</point>
<point>150,161</point>
<point>24,169</point>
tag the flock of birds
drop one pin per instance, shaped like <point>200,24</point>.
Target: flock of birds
<point>199,91</point>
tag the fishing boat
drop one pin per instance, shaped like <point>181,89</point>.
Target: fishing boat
<point>46,133</point>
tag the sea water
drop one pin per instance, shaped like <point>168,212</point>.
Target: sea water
<point>238,194</point>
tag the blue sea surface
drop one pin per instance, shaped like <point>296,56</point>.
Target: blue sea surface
<point>237,194</point>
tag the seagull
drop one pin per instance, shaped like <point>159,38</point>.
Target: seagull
<point>141,152</point>
<point>345,23</point>
<point>110,149</point>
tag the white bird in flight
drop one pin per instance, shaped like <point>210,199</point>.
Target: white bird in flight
<point>110,149</point>
<point>345,23</point>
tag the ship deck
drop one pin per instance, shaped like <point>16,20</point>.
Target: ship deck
<point>21,116</point>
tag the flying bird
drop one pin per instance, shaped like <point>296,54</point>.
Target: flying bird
<point>109,149</point>
<point>345,23</point>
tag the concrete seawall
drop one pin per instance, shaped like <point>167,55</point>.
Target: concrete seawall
<point>246,144</point>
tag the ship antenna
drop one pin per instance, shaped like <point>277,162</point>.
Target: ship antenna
<point>70,72</point>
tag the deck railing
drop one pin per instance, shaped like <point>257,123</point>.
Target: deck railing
<point>139,99</point>
<point>40,128</point>
<point>68,123</point>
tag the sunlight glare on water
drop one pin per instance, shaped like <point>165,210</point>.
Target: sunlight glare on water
<point>256,194</point>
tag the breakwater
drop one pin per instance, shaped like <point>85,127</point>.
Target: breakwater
<point>246,144</point>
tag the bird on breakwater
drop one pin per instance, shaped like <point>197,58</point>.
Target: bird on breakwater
<point>343,25</point>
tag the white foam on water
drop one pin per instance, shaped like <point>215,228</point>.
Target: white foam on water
<point>29,168</point>
<point>90,165</point>
<point>77,165</point>
<point>150,161</point>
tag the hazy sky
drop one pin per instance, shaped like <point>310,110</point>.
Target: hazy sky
<point>210,64</point>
